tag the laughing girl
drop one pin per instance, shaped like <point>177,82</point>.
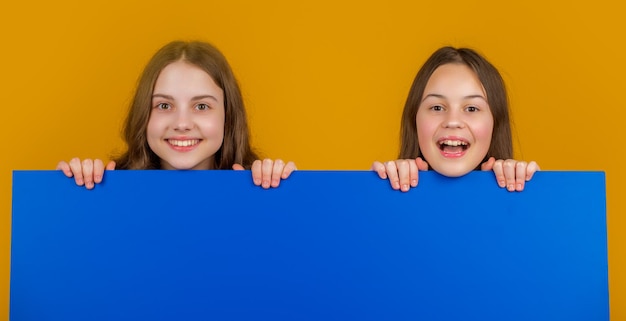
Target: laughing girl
<point>456,120</point>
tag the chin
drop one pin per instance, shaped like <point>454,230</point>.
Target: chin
<point>453,172</point>
<point>180,166</point>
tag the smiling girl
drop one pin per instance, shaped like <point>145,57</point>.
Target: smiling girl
<point>456,120</point>
<point>187,113</point>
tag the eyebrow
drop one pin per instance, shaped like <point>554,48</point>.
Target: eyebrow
<point>443,97</point>
<point>192,98</point>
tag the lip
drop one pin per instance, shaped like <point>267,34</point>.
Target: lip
<point>459,138</point>
<point>452,155</point>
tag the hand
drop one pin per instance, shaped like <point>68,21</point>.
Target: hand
<point>402,173</point>
<point>88,172</point>
<point>268,173</point>
<point>510,173</point>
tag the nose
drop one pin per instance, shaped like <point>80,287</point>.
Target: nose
<point>183,121</point>
<point>453,120</point>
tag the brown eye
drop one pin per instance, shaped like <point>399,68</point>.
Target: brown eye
<point>472,109</point>
<point>202,107</point>
<point>436,108</point>
<point>163,106</point>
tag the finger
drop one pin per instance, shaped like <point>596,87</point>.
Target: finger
<point>404,174</point>
<point>413,173</point>
<point>289,168</point>
<point>98,170</point>
<point>277,172</point>
<point>392,173</point>
<point>488,165</point>
<point>238,167</point>
<point>532,168</point>
<point>422,165</point>
<point>266,173</point>
<point>257,167</point>
<point>88,173</point>
<point>498,170</point>
<point>379,168</point>
<point>65,168</point>
<point>520,175</point>
<point>509,174</point>
<point>77,169</point>
<point>110,166</point>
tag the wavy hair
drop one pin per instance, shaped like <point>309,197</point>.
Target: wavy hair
<point>236,147</point>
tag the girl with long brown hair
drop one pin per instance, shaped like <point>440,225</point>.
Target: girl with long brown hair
<point>456,120</point>
<point>187,113</point>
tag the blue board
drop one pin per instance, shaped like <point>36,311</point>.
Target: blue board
<point>325,245</point>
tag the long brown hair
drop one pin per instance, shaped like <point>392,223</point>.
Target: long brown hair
<point>501,146</point>
<point>236,147</point>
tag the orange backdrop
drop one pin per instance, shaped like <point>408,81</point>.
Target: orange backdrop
<point>324,81</point>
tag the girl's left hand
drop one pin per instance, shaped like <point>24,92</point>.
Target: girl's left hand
<point>511,173</point>
<point>268,173</point>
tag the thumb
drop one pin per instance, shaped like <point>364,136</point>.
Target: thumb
<point>421,164</point>
<point>488,165</point>
<point>238,167</point>
<point>110,166</point>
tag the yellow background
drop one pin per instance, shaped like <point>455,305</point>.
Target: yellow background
<point>324,81</point>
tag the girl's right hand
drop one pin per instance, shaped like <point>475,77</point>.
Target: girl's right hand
<point>402,173</point>
<point>87,172</point>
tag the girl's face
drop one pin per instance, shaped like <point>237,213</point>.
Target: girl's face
<point>454,122</point>
<point>186,125</point>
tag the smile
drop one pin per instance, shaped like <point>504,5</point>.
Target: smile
<point>448,143</point>
<point>453,147</point>
<point>183,143</point>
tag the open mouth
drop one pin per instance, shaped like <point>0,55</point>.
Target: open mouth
<point>183,143</point>
<point>453,146</point>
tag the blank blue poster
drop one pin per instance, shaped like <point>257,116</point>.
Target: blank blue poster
<point>325,245</point>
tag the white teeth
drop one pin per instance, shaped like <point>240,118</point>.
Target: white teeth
<point>183,143</point>
<point>453,142</point>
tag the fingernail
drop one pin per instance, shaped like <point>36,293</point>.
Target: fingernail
<point>89,185</point>
<point>266,184</point>
<point>519,187</point>
<point>414,182</point>
<point>502,183</point>
<point>405,187</point>
<point>511,187</point>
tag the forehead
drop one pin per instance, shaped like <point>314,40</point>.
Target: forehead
<point>181,76</point>
<point>454,77</point>
<point>182,68</point>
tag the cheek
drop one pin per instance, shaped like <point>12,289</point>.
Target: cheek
<point>152,133</point>
<point>483,130</point>
<point>425,129</point>
<point>152,130</point>
<point>213,126</point>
